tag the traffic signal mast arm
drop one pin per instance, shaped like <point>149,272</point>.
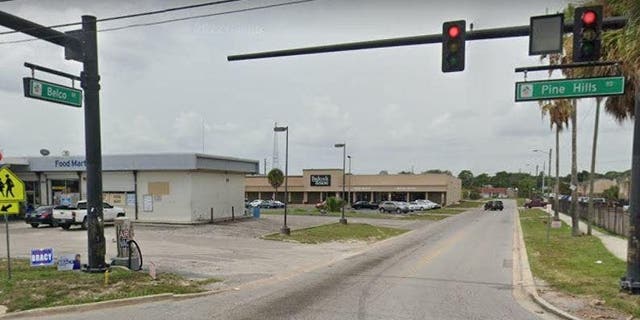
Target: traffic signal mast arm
<point>495,33</point>
<point>39,31</point>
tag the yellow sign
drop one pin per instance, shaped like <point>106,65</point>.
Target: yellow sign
<point>9,207</point>
<point>11,187</point>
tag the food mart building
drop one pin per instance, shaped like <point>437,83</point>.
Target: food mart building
<point>315,185</point>
<point>169,187</point>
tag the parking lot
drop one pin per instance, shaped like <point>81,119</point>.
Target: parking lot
<point>232,251</point>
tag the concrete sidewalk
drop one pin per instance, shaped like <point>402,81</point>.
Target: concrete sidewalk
<point>615,245</point>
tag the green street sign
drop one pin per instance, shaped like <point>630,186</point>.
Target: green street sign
<point>569,88</point>
<point>52,92</point>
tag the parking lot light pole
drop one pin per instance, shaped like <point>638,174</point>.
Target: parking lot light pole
<point>350,200</point>
<point>285,229</point>
<point>343,220</point>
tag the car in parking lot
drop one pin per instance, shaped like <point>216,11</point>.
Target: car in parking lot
<point>427,204</point>
<point>393,206</point>
<point>364,205</point>
<point>494,205</point>
<point>414,206</point>
<point>255,203</point>
<point>42,215</point>
<point>535,203</point>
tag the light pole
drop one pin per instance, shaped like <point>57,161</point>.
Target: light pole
<point>285,229</point>
<point>555,191</point>
<point>343,220</point>
<point>349,194</point>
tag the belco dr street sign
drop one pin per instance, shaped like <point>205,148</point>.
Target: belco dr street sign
<point>43,90</point>
<point>569,88</point>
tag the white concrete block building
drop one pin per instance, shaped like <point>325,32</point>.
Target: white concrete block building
<point>171,187</point>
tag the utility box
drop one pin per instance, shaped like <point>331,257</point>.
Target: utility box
<point>124,233</point>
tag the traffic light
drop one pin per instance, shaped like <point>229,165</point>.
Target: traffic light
<point>587,29</point>
<point>453,41</point>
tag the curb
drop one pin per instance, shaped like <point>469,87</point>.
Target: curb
<point>525,283</point>
<point>108,304</point>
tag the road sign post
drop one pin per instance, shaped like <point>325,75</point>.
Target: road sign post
<point>569,88</point>
<point>12,191</point>
<point>82,46</point>
<point>52,92</point>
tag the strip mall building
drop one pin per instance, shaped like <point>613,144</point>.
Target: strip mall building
<point>315,185</point>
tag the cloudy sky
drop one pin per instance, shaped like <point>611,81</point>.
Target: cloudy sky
<point>166,86</point>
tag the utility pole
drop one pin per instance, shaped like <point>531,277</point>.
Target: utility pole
<point>80,45</point>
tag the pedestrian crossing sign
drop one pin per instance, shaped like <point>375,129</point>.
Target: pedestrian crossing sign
<point>11,187</point>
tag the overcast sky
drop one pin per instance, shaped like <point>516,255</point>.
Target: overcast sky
<point>164,85</point>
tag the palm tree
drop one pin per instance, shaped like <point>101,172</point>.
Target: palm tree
<point>276,178</point>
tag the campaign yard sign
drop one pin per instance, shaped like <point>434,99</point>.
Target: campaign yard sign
<point>42,257</point>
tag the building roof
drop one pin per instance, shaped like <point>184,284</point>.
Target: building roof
<point>140,162</point>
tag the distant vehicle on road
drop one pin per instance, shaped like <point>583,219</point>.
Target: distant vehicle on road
<point>494,205</point>
<point>535,203</point>
<point>364,205</point>
<point>393,206</point>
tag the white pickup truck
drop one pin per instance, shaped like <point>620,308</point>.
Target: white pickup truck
<point>66,217</point>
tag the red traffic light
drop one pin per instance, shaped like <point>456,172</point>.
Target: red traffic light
<point>589,17</point>
<point>454,31</point>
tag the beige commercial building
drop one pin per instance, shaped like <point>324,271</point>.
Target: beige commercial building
<point>315,185</point>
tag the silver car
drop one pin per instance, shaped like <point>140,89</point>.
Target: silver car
<point>393,206</point>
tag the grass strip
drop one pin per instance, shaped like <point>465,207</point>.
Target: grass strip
<point>466,204</point>
<point>41,287</point>
<point>338,232</point>
<point>570,264</point>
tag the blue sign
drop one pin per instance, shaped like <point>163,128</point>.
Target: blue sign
<point>42,257</point>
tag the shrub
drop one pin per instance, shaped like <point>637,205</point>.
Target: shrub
<point>334,204</point>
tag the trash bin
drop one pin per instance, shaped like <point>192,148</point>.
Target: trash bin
<point>256,212</point>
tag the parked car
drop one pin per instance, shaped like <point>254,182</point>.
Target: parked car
<point>494,205</point>
<point>266,204</point>
<point>429,204</point>
<point>277,204</point>
<point>68,216</point>
<point>414,206</point>
<point>42,215</point>
<point>393,206</point>
<point>364,205</point>
<point>535,203</point>
<point>255,203</point>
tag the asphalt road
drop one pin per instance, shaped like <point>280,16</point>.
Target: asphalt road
<point>459,268</point>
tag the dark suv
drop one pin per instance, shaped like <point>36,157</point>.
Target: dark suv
<point>364,205</point>
<point>494,205</point>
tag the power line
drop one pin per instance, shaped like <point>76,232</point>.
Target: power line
<point>136,25</point>
<point>134,15</point>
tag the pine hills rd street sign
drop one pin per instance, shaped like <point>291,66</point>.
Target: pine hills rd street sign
<point>52,92</point>
<point>569,88</point>
<point>11,188</point>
